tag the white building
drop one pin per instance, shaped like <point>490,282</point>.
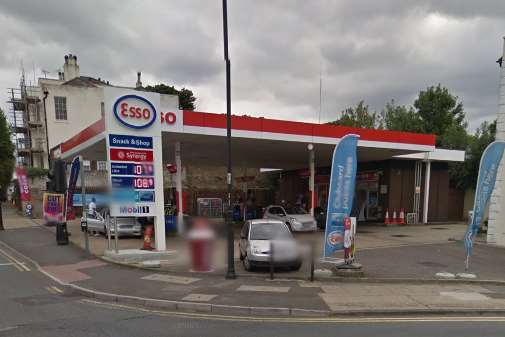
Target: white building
<point>68,104</point>
<point>496,223</point>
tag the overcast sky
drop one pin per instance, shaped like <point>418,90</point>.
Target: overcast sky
<point>371,50</point>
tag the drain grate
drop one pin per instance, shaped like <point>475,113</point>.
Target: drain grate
<point>439,228</point>
<point>400,236</point>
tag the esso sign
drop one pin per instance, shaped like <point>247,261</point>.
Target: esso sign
<point>134,111</point>
<point>168,118</point>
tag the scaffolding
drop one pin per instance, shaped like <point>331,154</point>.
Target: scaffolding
<point>25,119</point>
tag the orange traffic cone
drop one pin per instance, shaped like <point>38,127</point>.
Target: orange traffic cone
<point>148,238</point>
<point>395,219</point>
<point>402,217</point>
<point>386,217</point>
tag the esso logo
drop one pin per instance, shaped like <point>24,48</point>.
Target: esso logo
<point>134,111</point>
<point>168,117</point>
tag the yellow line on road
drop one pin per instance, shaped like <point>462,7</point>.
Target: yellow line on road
<point>18,263</point>
<point>11,259</point>
<point>353,320</point>
<point>58,290</point>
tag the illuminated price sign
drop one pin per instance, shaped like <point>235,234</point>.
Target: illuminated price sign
<point>130,169</point>
<point>133,182</point>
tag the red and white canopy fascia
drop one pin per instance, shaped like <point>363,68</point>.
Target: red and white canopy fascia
<point>204,123</point>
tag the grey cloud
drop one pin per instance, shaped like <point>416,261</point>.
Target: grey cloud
<point>371,50</point>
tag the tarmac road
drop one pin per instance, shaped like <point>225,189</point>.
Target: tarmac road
<point>31,304</point>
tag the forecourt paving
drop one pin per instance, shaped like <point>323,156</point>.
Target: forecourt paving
<point>85,274</point>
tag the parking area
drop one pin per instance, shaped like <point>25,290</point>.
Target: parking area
<point>372,240</point>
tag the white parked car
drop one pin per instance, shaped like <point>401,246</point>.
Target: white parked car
<point>297,219</point>
<point>256,240</point>
<point>126,226</point>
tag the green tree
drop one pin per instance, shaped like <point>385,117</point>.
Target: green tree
<point>6,160</point>
<point>186,98</point>
<point>359,117</point>
<point>441,113</point>
<point>401,118</point>
<point>464,175</point>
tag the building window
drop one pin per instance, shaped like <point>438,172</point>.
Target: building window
<point>60,108</point>
<point>102,109</point>
<point>87,165</point>
<point>101,165</point>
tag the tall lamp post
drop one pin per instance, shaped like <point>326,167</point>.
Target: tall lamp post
<point>230,274</point>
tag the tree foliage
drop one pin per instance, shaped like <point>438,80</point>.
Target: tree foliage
<point>435,111</point>
<point>7,159</point>
<point>401,118</point>
<point>186,98</point>
<point>442,115</point>
<point>464,175</point>
<point>359,117</point>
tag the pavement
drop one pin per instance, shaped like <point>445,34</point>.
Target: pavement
<point>37,306</point>
<point>399,278</point>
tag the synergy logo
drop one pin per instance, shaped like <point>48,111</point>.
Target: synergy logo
<point>134,111</point>
<point>134,210</point>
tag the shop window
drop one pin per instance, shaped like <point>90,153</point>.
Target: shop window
<point>101,165</point>
<point>87,165</point>
<point>60,108</point>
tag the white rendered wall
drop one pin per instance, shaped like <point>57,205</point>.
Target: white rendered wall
<point>496,224</point>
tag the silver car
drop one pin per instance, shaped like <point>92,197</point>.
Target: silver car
<point>259,235</point>
<point>297,219</point>
<point>126,226</point>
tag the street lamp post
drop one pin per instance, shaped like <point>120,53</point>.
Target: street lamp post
<point>230,274</point>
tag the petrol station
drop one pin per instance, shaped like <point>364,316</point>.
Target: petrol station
<point>141,132</point>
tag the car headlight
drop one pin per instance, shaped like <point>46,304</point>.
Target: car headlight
<point>256,250</point>
<point>295,221</point>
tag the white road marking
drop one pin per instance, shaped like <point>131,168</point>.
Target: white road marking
<point>171,278</point>
<point>8,328</point>
<point>465,296</point>
<point>268,289</point>
<point>199,297</point>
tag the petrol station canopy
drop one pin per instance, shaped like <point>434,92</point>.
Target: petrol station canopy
<point>258,142</point>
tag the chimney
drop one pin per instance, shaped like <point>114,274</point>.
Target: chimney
<point>70,68</point>
<point>138,85</point>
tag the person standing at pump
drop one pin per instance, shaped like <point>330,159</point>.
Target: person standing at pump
<point>92,207</point>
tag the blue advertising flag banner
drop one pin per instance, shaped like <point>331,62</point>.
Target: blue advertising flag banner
<point>341,192</point>
<point>136,142</point>
<point>488,169</point>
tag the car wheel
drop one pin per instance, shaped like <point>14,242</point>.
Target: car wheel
<point>247,263</point>
<point>296,266</point>
<point>289,226</point>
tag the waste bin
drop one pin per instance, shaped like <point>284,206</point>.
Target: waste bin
<point>61,233</point>
<point>200,239</point>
